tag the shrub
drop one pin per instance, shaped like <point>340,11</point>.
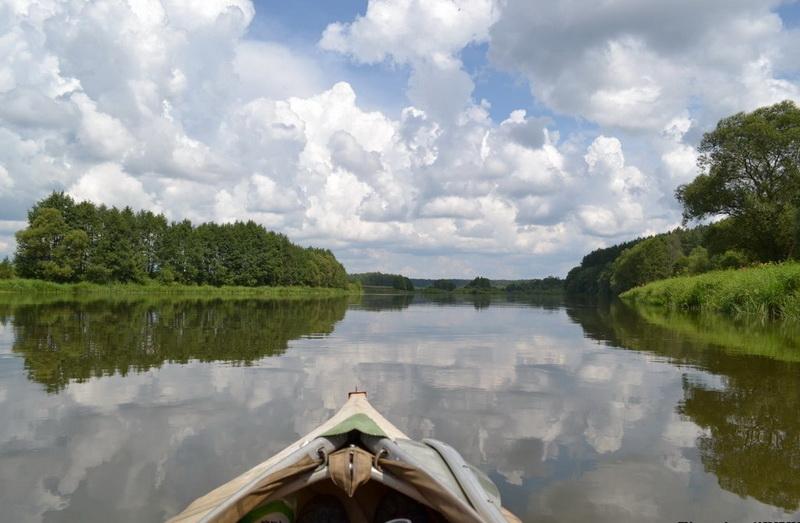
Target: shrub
<point>6,269</point>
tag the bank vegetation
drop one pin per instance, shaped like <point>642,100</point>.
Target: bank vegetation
<point>741,255</point>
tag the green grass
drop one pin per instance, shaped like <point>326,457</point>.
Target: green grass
<point>769,291</point>
<point>21,285</point>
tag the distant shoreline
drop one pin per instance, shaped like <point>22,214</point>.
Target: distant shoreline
<point>21,285</point>
<point>462,291</point>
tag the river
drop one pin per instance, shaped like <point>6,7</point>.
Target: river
<point>126,410</point>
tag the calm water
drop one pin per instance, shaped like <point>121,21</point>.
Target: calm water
<point>128,410</point>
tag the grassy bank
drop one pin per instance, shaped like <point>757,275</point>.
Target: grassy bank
<point>21,285</point>
<point>767,292</point>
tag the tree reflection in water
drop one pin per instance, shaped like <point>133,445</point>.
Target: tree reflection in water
<point>74,341</point>
<point>752,428</point>
<point>753,439</point>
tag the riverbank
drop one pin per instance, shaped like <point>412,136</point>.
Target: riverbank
<point>26,286</point>
<point>768,292</point>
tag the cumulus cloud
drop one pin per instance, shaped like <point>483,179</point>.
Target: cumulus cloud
<point>426,35</point>
<point>107,183</point>
<point>171,105</point>
<point>5,179</point>
<point>636,65</point>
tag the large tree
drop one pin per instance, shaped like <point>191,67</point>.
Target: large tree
<point>49,249</point>
<point>649,260</point>
<point>749,172</point>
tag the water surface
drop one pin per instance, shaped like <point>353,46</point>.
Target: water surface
<point>126,410</point>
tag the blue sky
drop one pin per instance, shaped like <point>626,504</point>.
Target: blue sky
<point>300,23</point>
<point>437,138</point>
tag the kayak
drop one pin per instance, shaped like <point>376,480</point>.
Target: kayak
<point>359,468</point>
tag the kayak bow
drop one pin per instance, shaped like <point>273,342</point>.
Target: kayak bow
<point>357,456</point>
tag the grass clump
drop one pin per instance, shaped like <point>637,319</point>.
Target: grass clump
<point>770,291</point>
<point>30,286</point>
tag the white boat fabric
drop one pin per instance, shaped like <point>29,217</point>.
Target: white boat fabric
<point>435,478</point>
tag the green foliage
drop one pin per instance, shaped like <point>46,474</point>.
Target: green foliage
<point>649,260</point>
<point>479,284</point>
<point>678,252</point>
<point>593,275</point>
<point>720,236</point>
<point>730,259</point>
<point>69,242</point>
<point>18,286</point>
<point>49,249</point>
<point>379,279</point>
<point>444,285</point>
<point>549,285</point>
<point>751,172</point>
<point>6,269</point>
<point>766,291</point>
<point>697,262</point>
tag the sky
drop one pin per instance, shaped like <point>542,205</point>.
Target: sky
<point>435,138</point>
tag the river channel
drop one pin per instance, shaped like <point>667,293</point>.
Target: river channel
<point>126,410</point>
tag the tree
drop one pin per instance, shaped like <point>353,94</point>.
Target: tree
<point>750,172</point>
<point>697,262</point>
<point>117,256</point>
<point>444,285</point>
<point>149,233</point>
<point>6,269</point>
<point>379,279</point>
<point>652,259</point>
<point>49,249</point>
<point>480,284</point>
<point>593,275</point>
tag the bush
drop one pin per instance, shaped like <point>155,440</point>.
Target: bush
<point>730,259</point>
<point>6,269</point>
<point>697,262</point>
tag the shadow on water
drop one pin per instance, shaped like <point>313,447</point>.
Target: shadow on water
<point>751,439</point>
<point>64,341</point>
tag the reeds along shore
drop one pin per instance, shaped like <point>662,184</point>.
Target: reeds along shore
<point>22,285</point>
<point>770,291</point>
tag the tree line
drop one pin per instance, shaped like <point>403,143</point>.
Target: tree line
<point>67,241</point>
<point>548,285</point>
<point>750,175</point>
<point>380,279</point>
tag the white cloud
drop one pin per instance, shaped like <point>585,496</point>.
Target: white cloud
<point>272,70</point>
<point>6,182</point>
<point>171,106</point>
<point>428,36</point>
<point>637,64</point>
<point>107,183</point>
<point>101,134</point>
<point>451,207</point>
<point>394,30</point>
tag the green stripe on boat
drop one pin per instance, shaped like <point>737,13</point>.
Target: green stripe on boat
<point>359,422</point>
<point>274,510</point>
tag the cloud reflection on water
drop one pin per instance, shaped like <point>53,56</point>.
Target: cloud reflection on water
<point>567,426</point>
